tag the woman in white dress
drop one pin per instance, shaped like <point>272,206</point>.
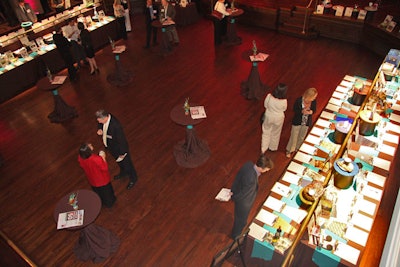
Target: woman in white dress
<point>275,106</point>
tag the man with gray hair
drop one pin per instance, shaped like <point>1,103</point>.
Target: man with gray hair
<point>115,141</point>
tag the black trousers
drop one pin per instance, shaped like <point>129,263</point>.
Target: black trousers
<point>220,29</point>
<point>127,168</point>
<point>150,30</point>
<point>122,28</point>
<point>106,194</point>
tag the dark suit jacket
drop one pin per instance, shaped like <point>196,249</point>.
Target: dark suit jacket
<point>147,15</point>
<point>29,16</point>
<point>297,107</point>
<point>170,12</point>
<point>245,185</point>
<point>116,141</point>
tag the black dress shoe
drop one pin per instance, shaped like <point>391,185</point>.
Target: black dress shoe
<point>130,185</point>
<point>119,176</point>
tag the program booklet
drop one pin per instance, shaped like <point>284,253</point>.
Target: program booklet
<point>198,112</point>
<point>224,195</point>
<point>70,219</point>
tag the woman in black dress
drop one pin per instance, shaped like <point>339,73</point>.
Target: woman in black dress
<point>86,42</point>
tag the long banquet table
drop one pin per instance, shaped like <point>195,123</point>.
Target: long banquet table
<point>337,236</point>
<point>33,67</point>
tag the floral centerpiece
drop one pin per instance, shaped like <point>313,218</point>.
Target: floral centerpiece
<point>186,106</point>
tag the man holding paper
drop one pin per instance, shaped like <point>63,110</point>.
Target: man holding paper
<point>114,140</point>
<point>244,191</point>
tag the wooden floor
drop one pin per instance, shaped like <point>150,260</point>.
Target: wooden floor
<point>170,217</point>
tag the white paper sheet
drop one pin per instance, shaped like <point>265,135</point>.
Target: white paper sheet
<point>257,231</point>
<point>323,123</point>
<point>391,138</point>
<point>327,115</point>
<point>366,206</point>
<point>393,127</point>
<point>347,253</point>
<point>389,150</point>
<point>339,95</point>
<point>335,102</point>
<point>302,157</point>
<point>312,139</point>
<point>341,89</point>
<point>394,117</point>
<point>356,235</point>
<point>317,131</point>
<point>296,168</point>
<point>332,107</point>
<point>372,192</point>
<point>295,214</point>
<point>307,148</point>
<point>396,107</point>
<point>266,217</point>
<point>274,204</point>
<point>381,163</point>
<point>346,84</point>
<point>281,189</point>
<point>349,78</point>
<point>362,221</point>
<point>376,179</point>
<point>291,178</point>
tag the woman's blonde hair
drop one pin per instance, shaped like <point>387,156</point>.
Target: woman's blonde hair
<point>310,93</point>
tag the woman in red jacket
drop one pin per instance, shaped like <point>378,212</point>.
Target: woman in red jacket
<point>96,170</point>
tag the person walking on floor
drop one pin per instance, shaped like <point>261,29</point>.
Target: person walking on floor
<point>110,129</point>
<point>244,191</point>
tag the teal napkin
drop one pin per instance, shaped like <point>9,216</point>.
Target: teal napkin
<point>365,166</point>
<point>325,258</point>
<point>262,250</point>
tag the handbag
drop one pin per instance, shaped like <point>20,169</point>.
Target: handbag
<point>217,15</point>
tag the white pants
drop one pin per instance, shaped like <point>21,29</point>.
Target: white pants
<point>271,132</point>
<point>297,135</point>
<point>127,21</point>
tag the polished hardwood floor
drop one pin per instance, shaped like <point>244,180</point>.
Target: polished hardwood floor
<point>170,217</point>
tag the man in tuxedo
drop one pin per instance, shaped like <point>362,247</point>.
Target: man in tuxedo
<point>244,191</point>
<point>114,140</point>
<point>150,14</point>
<point>24,12</point>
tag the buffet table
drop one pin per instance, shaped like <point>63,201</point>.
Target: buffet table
<point>329,195</point>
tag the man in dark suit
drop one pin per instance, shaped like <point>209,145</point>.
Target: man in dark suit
<point>64,48</point>
<point>150,14</point>
<point>114,140</point>
<point>244,191</point>
<point>24,12</point>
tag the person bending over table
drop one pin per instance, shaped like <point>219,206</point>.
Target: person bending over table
<point>167,15</point>
<point>303,108</point>
<point>115,141</point>
<point>244,191</point>
<point>220,26</point>
<point>96,170</point>
<point>63,47</point>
